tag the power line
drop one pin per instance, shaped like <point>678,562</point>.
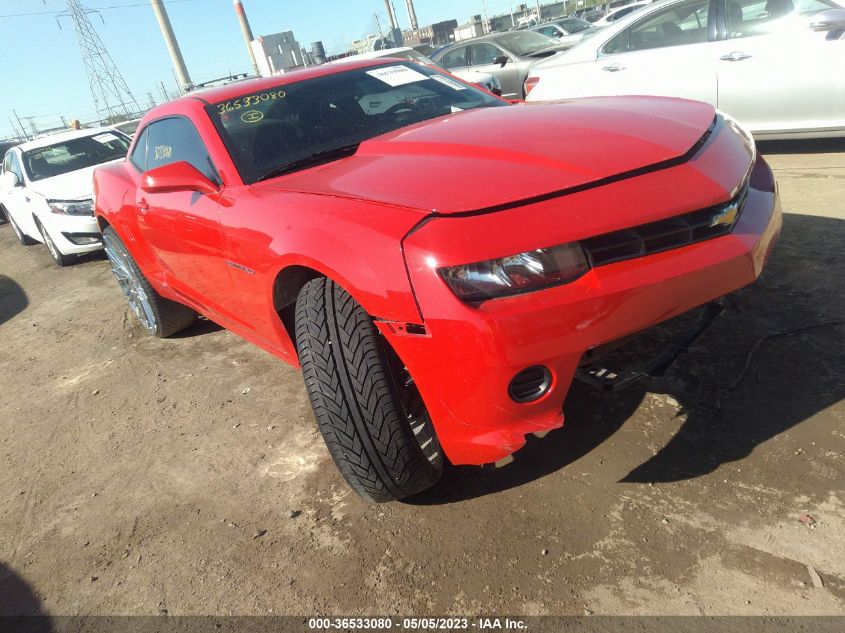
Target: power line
<point>107,8</point>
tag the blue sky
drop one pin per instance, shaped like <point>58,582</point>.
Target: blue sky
<point>42,71</point>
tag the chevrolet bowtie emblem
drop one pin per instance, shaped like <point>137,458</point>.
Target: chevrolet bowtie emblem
<point>726,216</point>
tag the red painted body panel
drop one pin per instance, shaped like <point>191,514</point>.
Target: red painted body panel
<point>382,221</point>
<point>481,158</point>
<point>477,351</point>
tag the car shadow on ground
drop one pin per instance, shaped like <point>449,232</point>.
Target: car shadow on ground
<point>769,363</point>
<point>20,607</point>
<point>203,325</point>
<point>802,146</point>
<point>13,299</point>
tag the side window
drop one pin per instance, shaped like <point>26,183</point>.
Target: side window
<point>674,26</point>
<point>15,165</point>
<point>746,18</point>
<point>483,54</point>
<point>172,140</point>
<point>139,153</point>
<point>551,31</point>
<point>455,59</point>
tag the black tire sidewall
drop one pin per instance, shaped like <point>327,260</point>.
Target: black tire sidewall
<point>362,438</point>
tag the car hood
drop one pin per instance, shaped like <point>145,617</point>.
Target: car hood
<point>481,159</point>
<point>74,185</point>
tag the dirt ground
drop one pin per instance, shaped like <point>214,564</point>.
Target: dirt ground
<point>138,476</point>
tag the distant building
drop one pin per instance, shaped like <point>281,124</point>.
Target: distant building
<point>278,53</point>
<point>476,27</point>
<point>433,34</point>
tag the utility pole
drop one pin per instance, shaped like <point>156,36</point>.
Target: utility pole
<point>412,14</point>
<point>247,33</point>
<point>152,101</point>
<point>172,45</point>
<point>19,133</point>
<point>390,16</point>
<point>108,88</point>
<point>176,80</point>
<point>538,10</point>
<point>20,125</point>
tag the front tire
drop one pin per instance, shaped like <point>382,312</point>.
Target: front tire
<point>367,408</point>
<point>60,258</point>
<point>160,317</point>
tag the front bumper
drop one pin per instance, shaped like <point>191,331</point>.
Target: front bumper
<point>69,233</point>
<point>466,356</point>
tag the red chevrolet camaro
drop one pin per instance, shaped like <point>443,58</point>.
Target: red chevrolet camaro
<point>440,262</point>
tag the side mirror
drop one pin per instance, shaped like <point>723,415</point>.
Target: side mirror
<point>501,60</point>
<point>11,180</point>
<point>178,176</point>
<point>829,20</point>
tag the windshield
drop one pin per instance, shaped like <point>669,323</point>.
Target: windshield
<point>574,25</point>
<point>73,154</point>
<point>327,117</point>
<point>525,42</point>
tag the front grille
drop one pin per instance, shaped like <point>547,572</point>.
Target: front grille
<point>665,235</point>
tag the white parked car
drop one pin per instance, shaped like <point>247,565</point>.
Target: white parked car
<point>620,12</point>
<point>566,30</point>
<point>776,65</point>
<point>485,80</point>
<point>46,189</point>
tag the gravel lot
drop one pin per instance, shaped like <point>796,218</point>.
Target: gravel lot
<point>144,476</point>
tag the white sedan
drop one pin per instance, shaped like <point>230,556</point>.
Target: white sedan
<point>776,65</point>
<point>46,189</point>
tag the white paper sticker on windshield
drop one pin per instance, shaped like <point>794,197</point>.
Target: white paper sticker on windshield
<point>454,85</point>
<point>108,137</point>
<point>397,75</point>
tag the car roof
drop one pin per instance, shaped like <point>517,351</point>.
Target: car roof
<point>217,94</point>
<point>490,37</point>
<point>58,137</point>
<point>385,52</point>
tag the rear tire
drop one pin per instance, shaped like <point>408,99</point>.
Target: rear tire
<point>159,316</point>
<point>60,258</point>
<point>23,238</point>
<point>370,414</point>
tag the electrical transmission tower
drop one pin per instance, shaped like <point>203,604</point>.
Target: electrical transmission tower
<point>111,94</point>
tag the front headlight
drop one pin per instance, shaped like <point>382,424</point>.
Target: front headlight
<point>515,274</point>
<point>747,140</point>
<point>72,207</point>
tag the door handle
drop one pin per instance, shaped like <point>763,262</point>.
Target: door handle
<point>142,205</point>
<point>735,56</point>
<point>614,68</point>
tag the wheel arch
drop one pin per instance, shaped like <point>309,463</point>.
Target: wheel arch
<point>287,285</point>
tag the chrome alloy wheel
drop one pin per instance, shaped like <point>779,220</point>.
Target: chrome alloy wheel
<point>15,228</point>
<point>416,413</point>
<point>130,285</point>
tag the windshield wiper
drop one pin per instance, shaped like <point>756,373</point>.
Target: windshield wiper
<point>323,156</point>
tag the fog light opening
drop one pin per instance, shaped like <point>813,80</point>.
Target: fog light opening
<point>531,384</point>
